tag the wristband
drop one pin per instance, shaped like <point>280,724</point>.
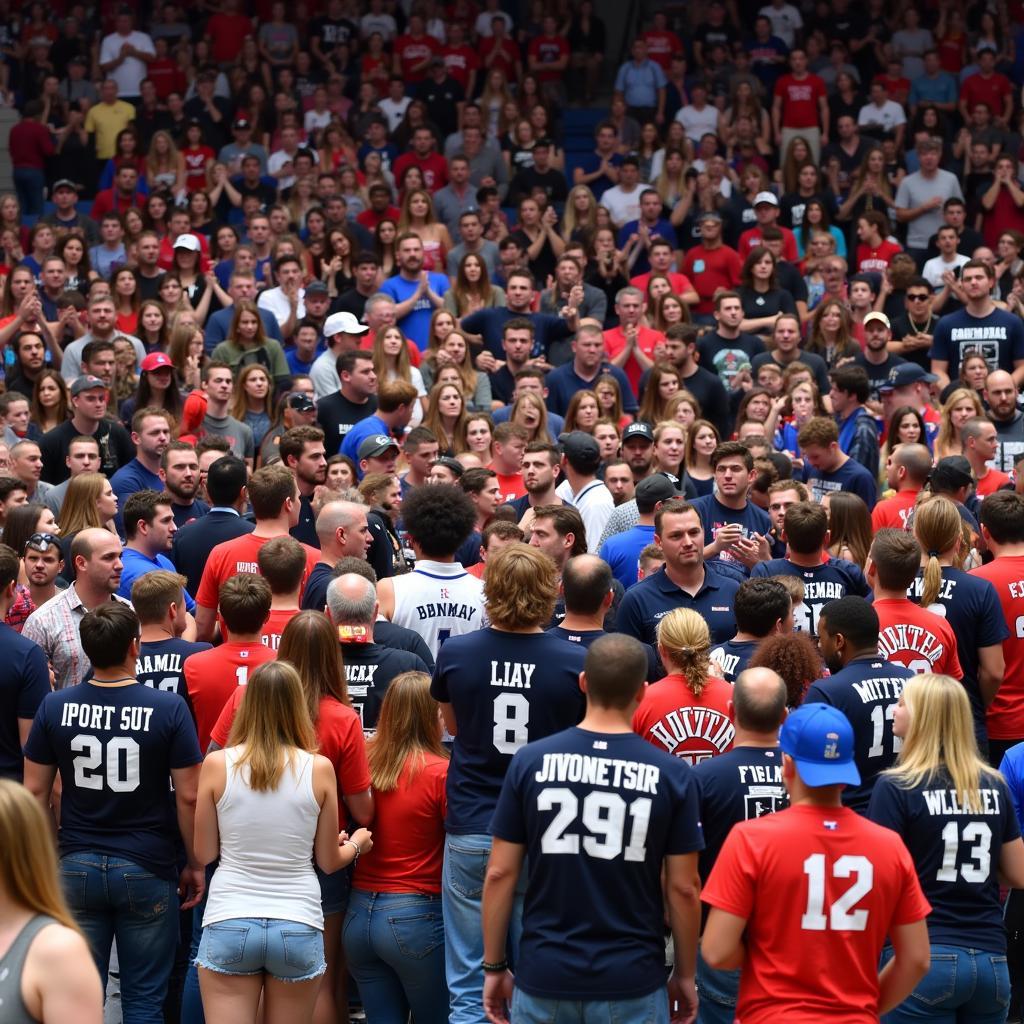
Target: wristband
<point>352,842</point>
<point>496,968</point>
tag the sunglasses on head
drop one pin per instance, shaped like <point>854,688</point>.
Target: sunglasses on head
<point>41,541</point>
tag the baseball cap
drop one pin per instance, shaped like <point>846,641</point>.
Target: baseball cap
<point>983,47</point>
<point>82,62</point>
<point>343,323</point>
<point>316,288</point>
<point>880,317</point>
<point>188,242</point>
<point>653,489</point>
<point>819,738</point>
<point>65,183</point>
<point>638,430</point>
<point>709,215</point>
<point>241,123</point>
<point>906,374</point>
<point>300,402</point>
<point>581,449</point>
<point>86,383</point>
<point>952,473</point>
<point>156,361</point>
<point>376,444</point>
<point>766,197</point>
<point>449,463</point>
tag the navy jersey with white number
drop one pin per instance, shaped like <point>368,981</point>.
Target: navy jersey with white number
<point>369,669</point>
<point>867,692</point>
<point>742,784</point>
<point>956,853</point>
<point>597,813</point>
<point>822,583</point>
<point>507,690</point>
<point>159,664</point>
<point>732,657</point>
<point>115,747</point>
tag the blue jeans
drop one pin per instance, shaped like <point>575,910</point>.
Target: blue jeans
<point>29,184</point>
<point>394,947</point>
<point>113,898</point>
<point>462,888</point>
<point>963,985</point>
<point>718,991</point>
<point>652,1009</point>
<point>191,999</point>
<point>244,946</point>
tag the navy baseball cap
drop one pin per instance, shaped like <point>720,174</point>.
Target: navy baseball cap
<point>638,429</point>
<point>906,374</point>
<point>819,738</point>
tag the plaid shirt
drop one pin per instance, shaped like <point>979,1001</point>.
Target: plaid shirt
<point>54,626</point>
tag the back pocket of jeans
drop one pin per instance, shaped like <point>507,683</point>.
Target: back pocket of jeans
<point>465,869</point>
<point>303,950</point>
<point>938,985</point>
<point>74,884</point>
<point>225,944</point>
<point>148,896</point>
<point>417,936</point>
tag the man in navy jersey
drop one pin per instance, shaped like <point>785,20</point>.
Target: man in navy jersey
<point>827,469</point>
<point>763,608</point>
<point>735,529</point>
<point>599,815</point>
<point>863,685</point>
<point>158,598</point>
<point>119,746</point>
<point>685,581</point>
<point>499,688</point>
<point>824,578</point>
<point>741,784</point>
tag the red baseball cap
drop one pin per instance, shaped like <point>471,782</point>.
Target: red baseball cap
<point>156,361</point>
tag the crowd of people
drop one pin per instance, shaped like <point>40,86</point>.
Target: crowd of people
<point>453,572</point>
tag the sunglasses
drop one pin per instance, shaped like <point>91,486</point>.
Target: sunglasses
<point>918,298</point>
<point>41,541</point>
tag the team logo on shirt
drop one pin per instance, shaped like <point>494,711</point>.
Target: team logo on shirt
<point>762,800</point>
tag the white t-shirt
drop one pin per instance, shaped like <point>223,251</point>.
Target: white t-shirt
<point>786,22</point>
<point>889,115</point>
<point>275,301</point>
<point>314,122</point>
<point>935,267</point>
<point>698,123</point>
<point>623,206</point>
<point>394,110</point>
<point>485,20</point>
<point>594,504</point>
<point>382,23</point>
<point>130,72</point>
<point>279,158</point>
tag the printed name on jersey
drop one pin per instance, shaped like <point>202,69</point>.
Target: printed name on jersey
<point>101,716</point>
<point>450,610</point>
<point>516,674</point>
<point>903,638</point>
<point>355,674</point>
<point>879,688</point>
<point>152,664</point>
<point>941,802</point>
<point>611,772</point>
<point>688,724</point>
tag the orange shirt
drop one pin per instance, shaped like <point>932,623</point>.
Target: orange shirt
<point>688,727</point>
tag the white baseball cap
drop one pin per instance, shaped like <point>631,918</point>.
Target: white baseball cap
<point>187,241</point>
<point>343,323</point>
<point>766,197</point>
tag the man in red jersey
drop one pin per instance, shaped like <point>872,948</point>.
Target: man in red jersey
<point>282,563</point>
<point>1002,527</point>
<point>980,443</point>
<point>907,633</point>
<point>711,265</point>
<point>424,155</point>
<point>804,899</point>
<point>908,468</point>
<point>275,503</point>
<point>212,676</point>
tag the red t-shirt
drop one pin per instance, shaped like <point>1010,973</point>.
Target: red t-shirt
<point>370,218</point>
<point>691,728</point>
<point>661,46</point>
<point>166,76</point>
<point>376,69</point>
<point>414,50</point>
<point>893,511</point>
<point>107,202</point>
<point>1004,215</point>
<point>916,638</point>
<point>991,482</point>
<point>196,159</point>
<point>231,557</point>
<point>30,145</point>
<point>460,61</point>
<point>815,925</point>
<point>992,90</point>
<point>408,832</point>
<point>506,60</point>
<point>227,33</point>
<point>165,260</point>
<point>709,270</point>
<point>270,636</point>
<point>213,676</point>
<point>1005,715</point>
<point>800,100</point>
<point>876,259</point>
<point>751,239</point>
<point>433,166</point>
<point>615,342</point>
<point>512,487</point>
<point>547,50</point>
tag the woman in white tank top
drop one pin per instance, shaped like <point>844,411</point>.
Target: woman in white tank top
<point>266,805</point>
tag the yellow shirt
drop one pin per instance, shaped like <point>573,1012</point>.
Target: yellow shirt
<point>106,120</point>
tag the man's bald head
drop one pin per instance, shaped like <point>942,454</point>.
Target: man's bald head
<point>915,459</point>
<point>586,582</point>
<point>759,700</point>
<point>352,601</point>
<point>349,517</point>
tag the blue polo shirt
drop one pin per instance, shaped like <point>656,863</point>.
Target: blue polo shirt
<point>365,428</point>
<point>489,324</point>
<point>655,596</point>
<point>622,553</point>
<point>415,325</point>
<point>563,382</point>
<point>136,564</point>
<point>131,477</point>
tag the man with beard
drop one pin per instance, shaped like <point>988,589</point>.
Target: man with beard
<point>29,362</point>
<point>43,562</point>
<point>876,359</point>
<point>416,292</point>
<point>727,350</point>
<point>542,470</point>
<point>1001,396</point>
<point>151,434</point>
<point>638,450</point>
<point>179,471</point>
<point>302,451</point>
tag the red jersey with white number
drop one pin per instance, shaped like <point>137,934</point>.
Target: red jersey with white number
<point>819,888</point>
<point>270,635</point>
<point>1005,715</point>
<point>916,638</point>
<point>688,727</point>
<point>213,676</point>
<point>875,259</point>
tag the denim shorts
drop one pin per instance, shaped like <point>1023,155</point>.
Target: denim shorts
<point>286,950</point>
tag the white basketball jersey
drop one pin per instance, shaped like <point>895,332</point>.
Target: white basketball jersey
<point>438,600</point>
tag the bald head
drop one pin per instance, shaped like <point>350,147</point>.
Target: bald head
<point>915,459</point>
<point>341,529</point>
<point>352,601</point>
<point>586,584</point>
<point>759,701</point>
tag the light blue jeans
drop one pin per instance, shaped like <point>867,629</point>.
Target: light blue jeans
<point>394,947</point>
<point>718,992</point>
<point>114,898</point>
<point>462,888</point>
<point>652,1009</point>
<point>964,986</point>
<point>243,946</point>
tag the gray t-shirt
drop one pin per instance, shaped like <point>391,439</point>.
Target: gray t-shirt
<point>71,367</point>
<point>915,190</point>
<point>242,442</point>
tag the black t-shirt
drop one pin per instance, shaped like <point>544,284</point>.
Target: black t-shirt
<point>305,529</point>
<point>336,416</point>
<point>791,280</point>
<point>901,327</point>
<point>116,449</point>
<point>332,32</point>
<point>384,548</point>
<point>770,303</point>
<point>369,669</point>
<point>551,181</point>
<point>160,665</point>
<point>809,359</point>
<point>543,265</point>
<point>727,356</point>
<point>350,301</point>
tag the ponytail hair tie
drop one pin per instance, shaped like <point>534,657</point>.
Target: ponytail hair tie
<point>933,554</point>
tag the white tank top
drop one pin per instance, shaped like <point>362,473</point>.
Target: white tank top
<point>266,847</point>
<point>438,600</point>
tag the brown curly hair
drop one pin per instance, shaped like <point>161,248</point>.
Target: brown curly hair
<point>796,659</point>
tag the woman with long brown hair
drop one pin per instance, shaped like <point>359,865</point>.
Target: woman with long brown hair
<point>448,348</point>
<point>90,502</point>
<point>391,361</point>
<point>157,387</point>
<point>849,526</point>
<point>472,289</point>
<point>446,414</point>
<point>830,335</point>
<point>583,412</point>
<point>50,400</point>
<point>253,401</point>
<point>662,385</point>
<point>961,404</point>
<point>417,215</point>
<point>702,439</point>
<point>529,411</point>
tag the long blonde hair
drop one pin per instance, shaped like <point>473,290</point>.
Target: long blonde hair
<point>940,737</point>
<point>272,722</point>
<point>407,731</point>
<point>79,511</point>
<point>937,527</point>
<point>28,858</point>
<point>685,640</point>
<point>947,441</point>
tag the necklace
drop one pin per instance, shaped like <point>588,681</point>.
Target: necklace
<point>917,329</point>
<point>120,679</point>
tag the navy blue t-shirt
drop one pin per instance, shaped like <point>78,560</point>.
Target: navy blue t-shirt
<point>597,813</point>
<point>733,657</point>
<point>714,515</point>
<point>159,664</point>
<point>369,669</point>
<point>314,596</point>
<point>971,606</point>
<point>867,692</point>
<point>999,337</point>
<point>507,690</point>
<point>24,682</point>
<point>739,785</point>
<point>823,583</point>
<point>850,476</point>
<point>115,748</point>
<point>586,637</point>
<point>656,595</point>
<point>563,382</point>
<point>956,852</point>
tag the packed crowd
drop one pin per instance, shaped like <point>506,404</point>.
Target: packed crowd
<point>448,573</point>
